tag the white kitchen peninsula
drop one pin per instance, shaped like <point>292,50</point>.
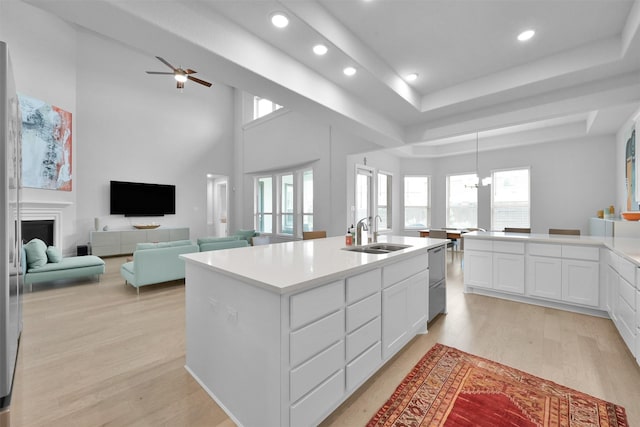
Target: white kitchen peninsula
<point>282,334</point>
<point>586,274</point>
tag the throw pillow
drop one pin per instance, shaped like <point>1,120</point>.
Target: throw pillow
<point>54,254</point>
<point>36,251</point>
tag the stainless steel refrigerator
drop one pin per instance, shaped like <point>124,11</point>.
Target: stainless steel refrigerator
<point>10,256</point>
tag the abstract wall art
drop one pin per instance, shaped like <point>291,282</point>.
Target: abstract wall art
<point>46,145</point>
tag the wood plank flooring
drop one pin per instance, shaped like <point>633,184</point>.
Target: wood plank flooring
<point>95,354</point>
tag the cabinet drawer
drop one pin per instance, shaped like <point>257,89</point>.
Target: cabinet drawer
<point>361,312</point>
<point>363,285</point>
<point>589,253</point>
<point>508,247</point>
<point>105,250</point>
<point>316,303</point>
<point>399,271</point>
<point>105,238</point>
<point>133,237</point>
<point>362,338</point>
<point>627,292</point>
<point>542,249</point>
<point>627,270</point>
<point>179,234</point>
<point>626,321</point>
<point>311,373</point>
<point>363,366</point>
<point>312,339</point>
<point>310,408</point>
<point>159,235</point>
<point>613,260</point>
<point>478,245</point>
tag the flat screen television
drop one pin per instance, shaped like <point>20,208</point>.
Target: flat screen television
<point>141,199</point>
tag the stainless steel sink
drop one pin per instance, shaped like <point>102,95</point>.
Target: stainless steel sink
<point>377,248</point>
<point>391,247</point>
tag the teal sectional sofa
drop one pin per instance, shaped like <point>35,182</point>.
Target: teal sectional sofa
<point>156,263</point>
<point>160,262</point>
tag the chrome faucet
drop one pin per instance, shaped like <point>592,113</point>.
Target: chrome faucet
<point>362,225</point>
<point>375,232</point>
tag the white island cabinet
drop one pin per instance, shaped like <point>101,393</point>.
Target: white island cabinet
<point>282,334</point>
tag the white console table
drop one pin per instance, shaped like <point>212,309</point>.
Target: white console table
<point>118,242</point>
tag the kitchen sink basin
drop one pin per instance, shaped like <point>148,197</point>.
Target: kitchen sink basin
<point>377,248</point>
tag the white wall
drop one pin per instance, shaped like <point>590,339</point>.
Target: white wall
<point>570,180</point>
<point>138,127</point>
<point>289,139</point>
<point>36,38</point>
<point>127,125</point>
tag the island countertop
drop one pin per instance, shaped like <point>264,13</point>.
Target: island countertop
<point>292,266</point>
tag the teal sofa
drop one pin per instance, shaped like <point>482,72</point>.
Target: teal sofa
<point>42,264</point>
<point>217,243</point>
<point>156,263</point>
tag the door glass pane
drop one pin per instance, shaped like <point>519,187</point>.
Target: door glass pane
<point>363,189</point>
<point>462,203</point>
<point>286,207</point>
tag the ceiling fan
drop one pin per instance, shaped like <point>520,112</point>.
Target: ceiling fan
<point>181,75</point>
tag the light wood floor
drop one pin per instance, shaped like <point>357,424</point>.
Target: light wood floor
<point>97,355</point>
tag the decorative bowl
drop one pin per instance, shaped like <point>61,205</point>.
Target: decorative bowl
<point>152,226</point>
<point>631,216</point>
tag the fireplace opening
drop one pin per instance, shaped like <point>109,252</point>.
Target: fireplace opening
<point>38,229</point>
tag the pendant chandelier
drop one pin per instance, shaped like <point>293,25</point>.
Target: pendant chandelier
<point>486,180</point>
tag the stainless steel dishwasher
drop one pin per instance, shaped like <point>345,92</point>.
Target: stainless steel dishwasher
<point>437,281</point>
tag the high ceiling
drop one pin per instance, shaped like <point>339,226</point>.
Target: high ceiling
<point>579,75</point>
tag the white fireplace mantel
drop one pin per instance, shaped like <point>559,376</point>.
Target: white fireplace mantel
<point>32,211</point>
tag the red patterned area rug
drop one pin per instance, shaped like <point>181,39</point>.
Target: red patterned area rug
<point>451,388</point>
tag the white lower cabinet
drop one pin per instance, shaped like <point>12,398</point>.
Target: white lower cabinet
<point>496,265</point>
<point>544,277</point>
<point>580,281</point>
<point>478,270</point>
<point>574,281</point>
<point>404,311</point>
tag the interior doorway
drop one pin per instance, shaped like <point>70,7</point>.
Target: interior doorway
<point>217,205</point>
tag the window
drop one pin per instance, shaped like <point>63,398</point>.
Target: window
<point>510,205</point>
<point>307,200</point>
<point>286,211</point>
<point>263,106</point>
<point>462,201</point>
<point>384,201</point>
<point>416,201</point>
<point>364,193</point>
<point>293,201</point>
<point>264,204</point>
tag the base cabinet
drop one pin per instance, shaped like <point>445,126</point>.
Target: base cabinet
<point>580,282</point>
<point>404,308</point>
<point>508,273</point>
<point>544,277</point>
<point>477,269</point>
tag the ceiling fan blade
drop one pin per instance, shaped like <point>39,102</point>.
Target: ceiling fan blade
<point>159,72</point>
<point>180,85</point>
<point>197,80</point>
<point>190,71</point>
<point>166,63</point>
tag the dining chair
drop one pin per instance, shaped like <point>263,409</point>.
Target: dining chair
<point>564,231</point>
<point>308,235</point>
<point>516,230</point>
<point>441,234</point>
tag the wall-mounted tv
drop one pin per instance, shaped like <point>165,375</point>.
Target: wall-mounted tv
<point>141,199</point>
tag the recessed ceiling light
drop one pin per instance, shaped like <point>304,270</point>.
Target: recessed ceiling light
<point>526,35</point>
<point>349,71</point>
<point>320,49</point>
<point>279,20</point>
<point>412,77</point>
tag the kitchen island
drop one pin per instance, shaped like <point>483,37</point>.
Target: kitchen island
<point>282,334</point>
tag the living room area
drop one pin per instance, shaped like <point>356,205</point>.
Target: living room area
<point>102,352</point>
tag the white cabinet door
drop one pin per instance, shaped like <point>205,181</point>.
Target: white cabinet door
<point>394,318</point>
<point>418,304</point>
<point>544,277</point>
<point>478,268</point>
<point>580,282</point>
<point>610,292</point>
<point>508,273</point>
